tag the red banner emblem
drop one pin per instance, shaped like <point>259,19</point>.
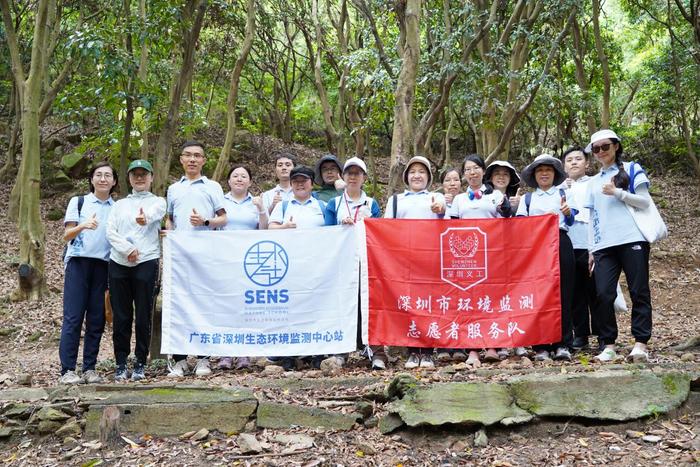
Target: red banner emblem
<point>477,283</point>
<point>463,256</point>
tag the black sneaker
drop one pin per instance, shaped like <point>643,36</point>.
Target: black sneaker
<point>288,363</point>
<point>121,374</point>
<point>580,343</point>
<point>139,372</point>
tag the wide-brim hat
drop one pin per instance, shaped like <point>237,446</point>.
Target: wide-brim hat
<point>355,162</point>
<point>420,160</point>
<point>514,177</point>
<point>318,178</point>
<point>598,135</point>
<point>528,173</point>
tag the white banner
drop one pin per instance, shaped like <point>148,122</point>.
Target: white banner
<point>260,292</point>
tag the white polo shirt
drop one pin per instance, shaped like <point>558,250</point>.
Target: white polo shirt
<point>485,207</point>
<point>306,215</point>
<point>204,195</point>
<point>89,243</point>
<point>414,205</point>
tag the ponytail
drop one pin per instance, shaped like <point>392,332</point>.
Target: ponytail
<point>622,179</point>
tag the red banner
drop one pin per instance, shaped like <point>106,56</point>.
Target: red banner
<point>476,283</point>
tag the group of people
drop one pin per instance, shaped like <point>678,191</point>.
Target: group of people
<point>115,246</point>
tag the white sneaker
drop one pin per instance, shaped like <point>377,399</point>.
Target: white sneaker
<point>202,368</point>
<point>607,355</point>
<point>91,377</point>
<point>473,359</point>
<point>378,363</point>
<point>521,352</point>
<point>542,356</point>
<point>426,361</point>
<point>638,355</point>
<point>70,377</point>
<point>562,353</point>
<point>179,369</point>
<point>412,362</point>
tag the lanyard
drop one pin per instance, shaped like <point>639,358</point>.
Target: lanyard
<point>357,208</point>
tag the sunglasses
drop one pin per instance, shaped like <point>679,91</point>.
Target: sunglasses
<point>602,147</point>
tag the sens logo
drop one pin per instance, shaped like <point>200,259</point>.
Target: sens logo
<point>463,261</point>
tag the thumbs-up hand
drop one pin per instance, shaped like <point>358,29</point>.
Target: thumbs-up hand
<point>196,219</point>
<point>436,206</point>
<point>609,189</point>
<point>290,224</point>
<point>91,223</point>
<point>339,183</point>
<point>141,218</point>
<point>565,209</point>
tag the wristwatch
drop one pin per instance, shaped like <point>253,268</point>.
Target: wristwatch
<point>206,222</point>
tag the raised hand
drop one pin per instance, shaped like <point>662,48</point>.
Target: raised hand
<point>92,223</point>
<point>141,218</point>
<point>196,219</point>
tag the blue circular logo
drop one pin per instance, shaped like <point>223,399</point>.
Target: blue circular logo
<point>266,263</point>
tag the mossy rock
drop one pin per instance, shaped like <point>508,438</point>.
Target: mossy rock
<point>75,164</point>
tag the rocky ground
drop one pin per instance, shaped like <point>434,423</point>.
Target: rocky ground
<point>29,339</point>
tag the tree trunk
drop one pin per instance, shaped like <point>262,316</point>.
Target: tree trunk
<point>193,17</point>
<point>8,169</point>
<point>129,117</point>
<point>143,75</point>
<point>581,78</point>
<point>402,136</point>
<point>604,68</point>
<point>232,100</point>
<point>31,229</point>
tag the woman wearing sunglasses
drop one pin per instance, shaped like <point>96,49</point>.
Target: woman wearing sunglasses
<point>616,243</point>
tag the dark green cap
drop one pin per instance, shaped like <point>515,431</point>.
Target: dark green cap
<point>140,164</point>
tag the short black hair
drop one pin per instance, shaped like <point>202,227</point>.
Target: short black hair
<point>475,158</point>
<point>286,155</point>
<point>98,166</point>
<point>443,175</point>
<point>573,148</point>
<point>191,143</point>
<point>239,166</point>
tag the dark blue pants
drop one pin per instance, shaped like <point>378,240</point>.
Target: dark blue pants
<point>83,300</point>
<point>633,258</point>
<point>132,291</point>
<point>584,300</point>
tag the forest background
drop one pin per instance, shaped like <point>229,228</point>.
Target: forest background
<point>92,79</point>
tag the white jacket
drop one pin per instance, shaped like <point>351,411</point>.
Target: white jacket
<point>125,235</point>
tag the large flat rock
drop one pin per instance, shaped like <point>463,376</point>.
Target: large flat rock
<point>23,394</point>
<point>459,403</point>
<point>276,415</point>
<point>602,395</point>
<point>172,410</point>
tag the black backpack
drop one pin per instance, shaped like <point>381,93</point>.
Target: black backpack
<point>81,200</point>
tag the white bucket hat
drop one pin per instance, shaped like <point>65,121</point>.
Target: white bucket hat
<point>528,173</point>
<point>420,160</point>
<point>598,135</point>
<point>514,177</point>
<point>355,162</point>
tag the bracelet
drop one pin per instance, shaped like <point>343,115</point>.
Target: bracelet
<point>260,213</point>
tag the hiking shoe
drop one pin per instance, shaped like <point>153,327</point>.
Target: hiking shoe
<point>412,362</point>
<point>443,356</point>
<point>503,353</point>
<point>521,352</point>
<point>288,363</point>
<point>378,363</point>
<point>562,353</point>
<point>241,363</point>
<point>70,377</point>
<point>607,355</point>
<point>580,343</point>
<point>638,355</point>
<point>202,368</point>
<point>426,361</point>
<point>225,363</point>
<point>139,372</point>
<point>459,356</point>
<point>121,374</point>
<point>542,356</point>
<point>491,356</point>
<point>91,377</point>
<point>473,359</point>
<point>179,369</point>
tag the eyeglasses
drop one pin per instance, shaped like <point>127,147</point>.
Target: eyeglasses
<point>106,176</point>
<point>602,147</point>
<point>472,169</point>
<point>188,155</point>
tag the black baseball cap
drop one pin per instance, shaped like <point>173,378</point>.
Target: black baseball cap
<point>302,171</point>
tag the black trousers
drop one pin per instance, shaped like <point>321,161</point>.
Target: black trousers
<point>132,291</point>
<point>566,292</point>
<point>584,297</point>
<point>633,258</point>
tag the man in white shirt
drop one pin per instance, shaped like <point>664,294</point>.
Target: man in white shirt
<point>284,163</point>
